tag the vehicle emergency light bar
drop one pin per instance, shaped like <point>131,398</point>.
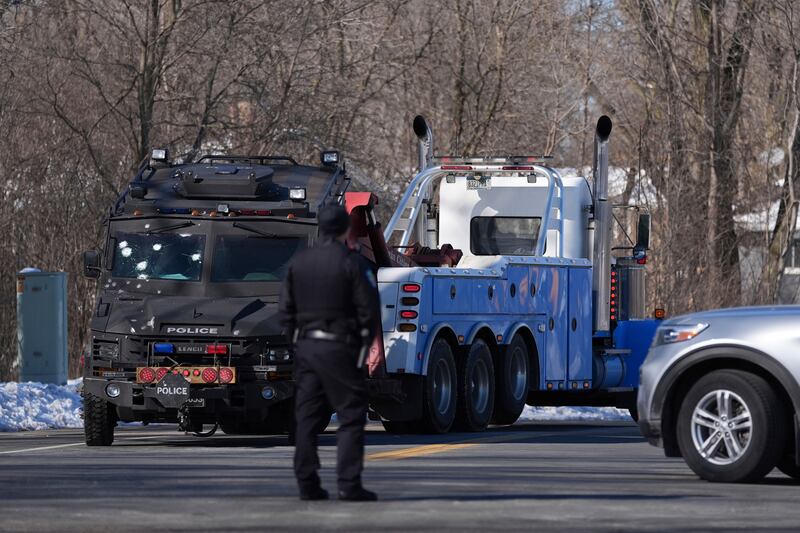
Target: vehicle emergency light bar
<point>492,160</point>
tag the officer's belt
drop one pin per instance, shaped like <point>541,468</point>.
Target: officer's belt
<point>322,335</point>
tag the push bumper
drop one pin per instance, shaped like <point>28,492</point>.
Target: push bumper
<point>138,402</point>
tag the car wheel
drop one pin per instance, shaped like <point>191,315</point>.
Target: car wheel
<point>729,427</point>
<point>511,382</point>
<point>439,390</point>
<point>99,420</point>
<point>475,388</point>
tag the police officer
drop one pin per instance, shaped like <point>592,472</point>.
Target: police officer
<point>329,304</point>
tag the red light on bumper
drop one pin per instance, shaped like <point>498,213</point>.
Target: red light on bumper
<point>209,375</point>
<point>147,375</point>
<point>225,375</point>
<point>161,372</point>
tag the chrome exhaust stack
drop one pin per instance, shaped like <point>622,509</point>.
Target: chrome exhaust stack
<point>425,137</point>
<point>601,257</point>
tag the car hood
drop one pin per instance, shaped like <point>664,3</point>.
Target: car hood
<point>189,316</point>
<point>736,313</point>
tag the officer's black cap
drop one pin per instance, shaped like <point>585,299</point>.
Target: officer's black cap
<point>333,220</point>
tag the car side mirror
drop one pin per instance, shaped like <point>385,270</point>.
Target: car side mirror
<point>91,264</point>
<point>643,231</point>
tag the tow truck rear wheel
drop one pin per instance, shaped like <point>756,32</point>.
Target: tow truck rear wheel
<point>99,420</point>
<point>511,382</point>
<point>475,388</point>
<point>439,390</point>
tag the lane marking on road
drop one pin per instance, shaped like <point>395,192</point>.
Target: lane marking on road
<point>56,446</point>
<point>430,449</point>
<point>418,451</point>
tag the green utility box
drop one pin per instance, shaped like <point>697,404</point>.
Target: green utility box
<point>42,326</point>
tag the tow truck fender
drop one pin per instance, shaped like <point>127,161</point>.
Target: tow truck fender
<point>438,328</point>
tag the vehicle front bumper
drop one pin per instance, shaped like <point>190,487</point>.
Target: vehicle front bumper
<point>138,402</point>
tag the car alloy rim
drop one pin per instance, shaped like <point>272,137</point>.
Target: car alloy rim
<point>519,373</point>
<point>479,384</point>
<point>721,427</point>
<point>442,387</point>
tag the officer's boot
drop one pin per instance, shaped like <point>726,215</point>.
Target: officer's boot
<point>357,494</point>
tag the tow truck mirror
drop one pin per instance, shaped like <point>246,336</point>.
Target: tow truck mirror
<point>91,264</point>
<point>643,231</point>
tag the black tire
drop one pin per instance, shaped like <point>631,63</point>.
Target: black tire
<point>788,466</point>
<point>99,421</point>
<point>511,382</point>
<point>762,443</point>
<point>398,427</point>
<point>439,390</point>
<point>475,388</point>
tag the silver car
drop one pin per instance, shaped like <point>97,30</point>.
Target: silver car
<point>721,389</point>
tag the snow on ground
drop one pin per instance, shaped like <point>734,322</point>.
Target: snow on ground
<point>31,406</point>
<point>28,406</point>
<point>574,413</point>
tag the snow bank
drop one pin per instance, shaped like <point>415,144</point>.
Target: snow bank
<point>29,406</point>
<point>574,413</point>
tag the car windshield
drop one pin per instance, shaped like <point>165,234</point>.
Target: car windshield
<point>504,235</point>
<point>168,256</point>
<point>253,257</point>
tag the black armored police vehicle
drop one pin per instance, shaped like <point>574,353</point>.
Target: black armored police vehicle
<point>184,329</point>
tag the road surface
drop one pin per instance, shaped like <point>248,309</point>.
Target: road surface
<point>531,476</point>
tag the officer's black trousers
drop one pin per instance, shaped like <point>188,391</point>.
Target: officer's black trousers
<point>327,378</point>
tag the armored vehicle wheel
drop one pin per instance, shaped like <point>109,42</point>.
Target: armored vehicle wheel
<point>475,388</point>
<point>439,390</point>
<point>511,382</point>
<point>730,427</point>
<point>99,420</point>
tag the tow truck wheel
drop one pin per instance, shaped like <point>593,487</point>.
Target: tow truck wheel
<point>99,420</point>
<point>475,388</point>
<point>511,382</point>
<point>730,427</point>
<point>439,390</point>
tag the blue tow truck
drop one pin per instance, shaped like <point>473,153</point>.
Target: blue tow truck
<point>499,288</point>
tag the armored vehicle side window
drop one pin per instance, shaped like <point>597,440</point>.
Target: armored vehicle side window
<point>253,258</point>
<point>159,256</point>
<point>504,235</point>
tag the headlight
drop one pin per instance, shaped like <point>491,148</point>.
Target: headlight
<point>671,334</point>
<point>277,355</point>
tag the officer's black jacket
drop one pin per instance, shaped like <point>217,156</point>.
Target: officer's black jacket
<point>329,287</point>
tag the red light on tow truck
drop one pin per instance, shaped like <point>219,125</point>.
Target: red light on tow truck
<point>456,167</point>
<point>408,314</point>
<point>411,287</point>
<point>161,372</point>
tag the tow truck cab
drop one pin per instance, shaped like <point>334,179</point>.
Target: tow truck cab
<point>189,278</point>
